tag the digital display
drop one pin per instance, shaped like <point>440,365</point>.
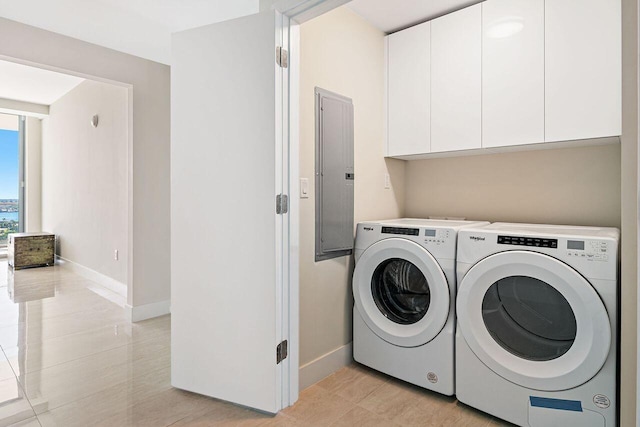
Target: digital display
<point>430,233</point>
<point>575,244</point>
<point>400,230</point>
<point>540,242</point>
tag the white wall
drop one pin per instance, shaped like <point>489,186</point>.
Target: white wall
<point>577,186</point>
<point>150,148</point>
<point>342,53</point>
<point>33,175</point>
<point>84,177</point>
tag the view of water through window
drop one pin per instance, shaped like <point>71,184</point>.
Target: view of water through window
<point>9,143</point>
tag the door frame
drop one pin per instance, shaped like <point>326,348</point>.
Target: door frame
<point>290,15</point>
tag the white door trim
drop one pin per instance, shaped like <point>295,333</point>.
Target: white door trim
<point>294,13</point>
<point>637,236</point>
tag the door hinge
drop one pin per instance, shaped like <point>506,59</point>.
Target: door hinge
<point>282,204</point>
<point>282,351</point>
<point>282,57</point>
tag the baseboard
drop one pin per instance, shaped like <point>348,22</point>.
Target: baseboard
<point>149,311</point>
<point>111,286</point>
<point>105,281</point>
<point>324,366</point>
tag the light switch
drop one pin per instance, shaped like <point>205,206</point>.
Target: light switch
<point>387,181</point>
<point>304,188</point>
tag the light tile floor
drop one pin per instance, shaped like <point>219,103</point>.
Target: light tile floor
<point>70,358</point>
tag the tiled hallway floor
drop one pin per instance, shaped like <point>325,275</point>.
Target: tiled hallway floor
<point>70,358</point>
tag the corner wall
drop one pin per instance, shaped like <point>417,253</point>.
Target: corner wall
<point>629,240</point>
<point>150,284</point>
<point>84,177</point>
<point>342,53</point>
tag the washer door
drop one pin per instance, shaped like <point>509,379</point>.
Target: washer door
<point>401,292</point>
<point>533,320</point>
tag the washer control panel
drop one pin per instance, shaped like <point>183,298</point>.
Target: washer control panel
<point>436,235</point>
<point>591,250</point>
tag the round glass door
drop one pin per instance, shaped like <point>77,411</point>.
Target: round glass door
<point>401,292</point>
<point>529,318</point>
<point>533,320</point>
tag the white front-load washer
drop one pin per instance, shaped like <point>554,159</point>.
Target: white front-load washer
<point>537,323</point>
<point>404,293</point>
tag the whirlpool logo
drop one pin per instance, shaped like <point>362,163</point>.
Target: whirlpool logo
<point>368,228</point>
<point>477,239</point>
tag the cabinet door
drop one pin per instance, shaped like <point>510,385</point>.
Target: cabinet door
<point>512,72</point>
<point>409,96</point>
<point>456,81</point>
<point>583,69</point>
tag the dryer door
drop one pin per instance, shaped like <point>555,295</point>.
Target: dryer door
<point>533,320</point>
<point>401,292</point>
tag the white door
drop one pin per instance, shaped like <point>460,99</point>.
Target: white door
<point>583,69</point>
<point>456,84</point>
<point>401,292</point>
<point>512,72</point>
<point>533,320</point>
<point>409,91</point>
<point>227,240</point>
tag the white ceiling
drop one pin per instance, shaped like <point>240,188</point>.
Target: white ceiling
<point>139,27</point>
<point>29,84</point>
<point>143,27</point>
<point>393,15</point>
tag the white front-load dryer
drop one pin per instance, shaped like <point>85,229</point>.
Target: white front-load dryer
<point>537,323</point>
<point>404,294</point>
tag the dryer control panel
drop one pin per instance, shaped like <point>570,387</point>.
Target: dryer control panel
<point>591,250</point>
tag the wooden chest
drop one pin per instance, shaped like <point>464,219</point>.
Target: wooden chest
<point>31,250</point>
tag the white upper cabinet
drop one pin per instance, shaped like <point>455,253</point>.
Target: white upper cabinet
<point>505,73</point>
<point>456,86</point>
<point>512,72</point>
<point>583,69</point>
<point>409,92</point>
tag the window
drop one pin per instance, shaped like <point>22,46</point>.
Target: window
<point>11,155</point>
